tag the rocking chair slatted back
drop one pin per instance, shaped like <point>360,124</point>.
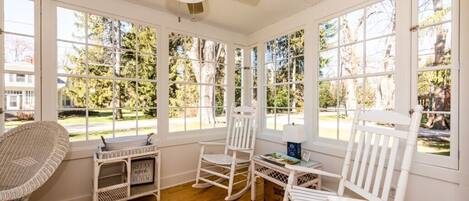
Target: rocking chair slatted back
<point>241,128</point>
<point>370,173</point>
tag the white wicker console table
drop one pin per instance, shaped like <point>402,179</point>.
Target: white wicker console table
<point>112,174</point>
<point>279,174</point>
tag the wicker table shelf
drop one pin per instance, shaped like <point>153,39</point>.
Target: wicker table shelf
<point>115,185</point>
<point>279,174</point>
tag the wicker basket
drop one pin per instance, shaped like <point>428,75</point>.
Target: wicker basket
<point>123,153</point>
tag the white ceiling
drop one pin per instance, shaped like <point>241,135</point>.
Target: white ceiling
<point>234,15</point>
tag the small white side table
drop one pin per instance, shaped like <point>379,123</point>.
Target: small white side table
<point>278,174</point>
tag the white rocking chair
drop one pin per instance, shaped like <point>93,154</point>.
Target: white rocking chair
<point>214,169</point>
<point>371,154</point>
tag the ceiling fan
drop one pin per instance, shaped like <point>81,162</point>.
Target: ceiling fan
<point>196,7</point>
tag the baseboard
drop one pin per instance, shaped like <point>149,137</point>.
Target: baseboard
<point>166,182</point>
<point>80,198</point>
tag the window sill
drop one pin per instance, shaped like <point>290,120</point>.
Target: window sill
<point>81,150</point>
<point>337,150</point>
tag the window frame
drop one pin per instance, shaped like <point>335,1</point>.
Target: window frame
<point>227,86</point>
<point>262,80</point>
<point>451,161</point>
<point>426,163</point>
<point>112,78</point>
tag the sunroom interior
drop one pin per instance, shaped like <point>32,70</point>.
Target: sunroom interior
<point>184,71</point>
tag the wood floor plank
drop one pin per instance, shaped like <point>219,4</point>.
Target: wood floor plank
<point>185,192</point>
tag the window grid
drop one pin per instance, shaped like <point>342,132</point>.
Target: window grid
<point>130,127</point>
<point>340,78</point>
<point>272,88</point>
<point>183,111</point>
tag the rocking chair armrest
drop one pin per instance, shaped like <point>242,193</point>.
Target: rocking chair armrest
<point>212,143</point>
<point>313,171</point>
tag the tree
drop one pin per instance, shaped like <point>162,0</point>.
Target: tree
<point>121,47</point>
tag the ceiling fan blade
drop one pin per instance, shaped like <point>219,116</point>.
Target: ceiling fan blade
<point>249,2</point>
<point>195,8</point>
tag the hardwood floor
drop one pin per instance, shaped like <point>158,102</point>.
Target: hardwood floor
<point>185,192</point>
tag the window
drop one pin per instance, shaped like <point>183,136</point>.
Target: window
<point>107,70</point>
<point>435,79</point>
<point>197,91</point>
<point>239,68</point>
<point>20,78</point>
<point>18,59</point>
<point>283,81</point>
<point>356,66</point>
<point>253,88</point>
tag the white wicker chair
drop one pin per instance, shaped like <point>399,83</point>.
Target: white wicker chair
<point>29,155</point>
<point>366,174</point>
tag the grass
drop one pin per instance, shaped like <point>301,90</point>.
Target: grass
<point>327,122</point>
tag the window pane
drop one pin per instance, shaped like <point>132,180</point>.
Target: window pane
<point>270,118</point>
<point>296,96</point>
<point>281,48</point>
<point>192,119</point>
<point>100,123</point>
<point>297,69</point>
<point>328,64</point>
<point>345,124</point>
<point>432,12</point>
<point>19,53</point>
<point>238,77</point>
<point>127,35</point>
<point>102,31</point>
<point>125,94</point>
<point>147,40</point>
<point>176,70</point>
<point>380,55</point>
<point>176,95</point>
<point>147,66</point>
<point>269,73</point>
<point>207,95</point>
<point>270,93</point>
<point>281,97</point>
<point>125,123</point>
<point>220,74</point>
<point>297,43</point>
<point>328,123</point>
<point>71,58</point>
<point>101,60</point>
<point>350,93</point>
<point>70,25</point>
<point>238,95</point>
<point>282,118</point>
<point>352,27</point>
<point>380,19</point>
<point>434,90</point>
<point>328,94</point>
<point>208,117</point>
<point>147,94</point>
<point>147,121</point>
<point>328,34</point>
<point>176,119</point>
<point>297,116</point>
<point>351,60</point>
<point>434,134</point>
<point>220,93</point>
<point>71,92</point>
<point>281,71</point>
<point>269,52</point>
<point>75,123</point>
<point>127,65</point>
<point>19,16</point>
<point>192,71</point>
<point>435,46</point>
<point>192,95</point>
<point>379,93</point>
<point>100,93</point>
<point>220,117</point>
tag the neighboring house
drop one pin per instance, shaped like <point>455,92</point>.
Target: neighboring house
<point>19,86</point>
